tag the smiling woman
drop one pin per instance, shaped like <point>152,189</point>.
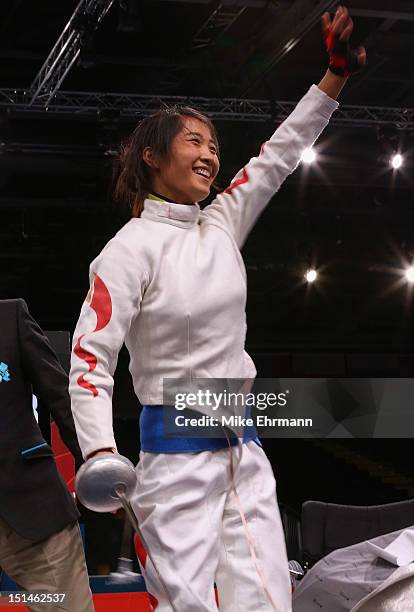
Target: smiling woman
<point>187,173</point>
<point>172,285</point>
<point>174,152</point>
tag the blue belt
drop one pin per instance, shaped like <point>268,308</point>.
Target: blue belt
<point>153,422</point>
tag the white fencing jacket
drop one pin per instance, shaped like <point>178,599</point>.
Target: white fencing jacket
<point>172,286</point>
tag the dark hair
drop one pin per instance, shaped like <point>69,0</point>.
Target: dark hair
<point>132,176</point>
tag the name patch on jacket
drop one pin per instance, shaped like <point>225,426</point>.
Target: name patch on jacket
<point>4,372</point>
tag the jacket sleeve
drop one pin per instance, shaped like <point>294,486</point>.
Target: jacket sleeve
<point>239,206</point>
<point>49,380</point>
<point>112,303</point>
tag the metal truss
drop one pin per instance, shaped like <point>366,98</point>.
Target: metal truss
<point>85,19</point>
<point>220,20</point>
<point>78,103</point>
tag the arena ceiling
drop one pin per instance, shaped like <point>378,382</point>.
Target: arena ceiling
<point>348,214</point>
<point>235,48</point>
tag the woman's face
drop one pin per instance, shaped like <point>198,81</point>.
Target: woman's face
<point>186,175</point>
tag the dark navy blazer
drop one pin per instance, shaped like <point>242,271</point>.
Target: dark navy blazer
<point>34,500</point>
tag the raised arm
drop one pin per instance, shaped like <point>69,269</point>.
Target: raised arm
<point>113,301</point>
<point>239,206</point>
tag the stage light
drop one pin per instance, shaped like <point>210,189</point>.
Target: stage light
<point>311,276</point>
<point>396,161</point>
<point>409,274</point>
<point>308,156</point>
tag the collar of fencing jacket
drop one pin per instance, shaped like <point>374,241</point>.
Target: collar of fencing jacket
<point>180,215</point>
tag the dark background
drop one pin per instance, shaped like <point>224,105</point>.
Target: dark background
<point>350,214</point>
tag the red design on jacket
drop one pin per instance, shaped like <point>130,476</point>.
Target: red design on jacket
<point>101,303</point>
<point>239,181</point>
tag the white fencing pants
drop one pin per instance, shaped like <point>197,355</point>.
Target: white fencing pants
<point>189,517</point>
